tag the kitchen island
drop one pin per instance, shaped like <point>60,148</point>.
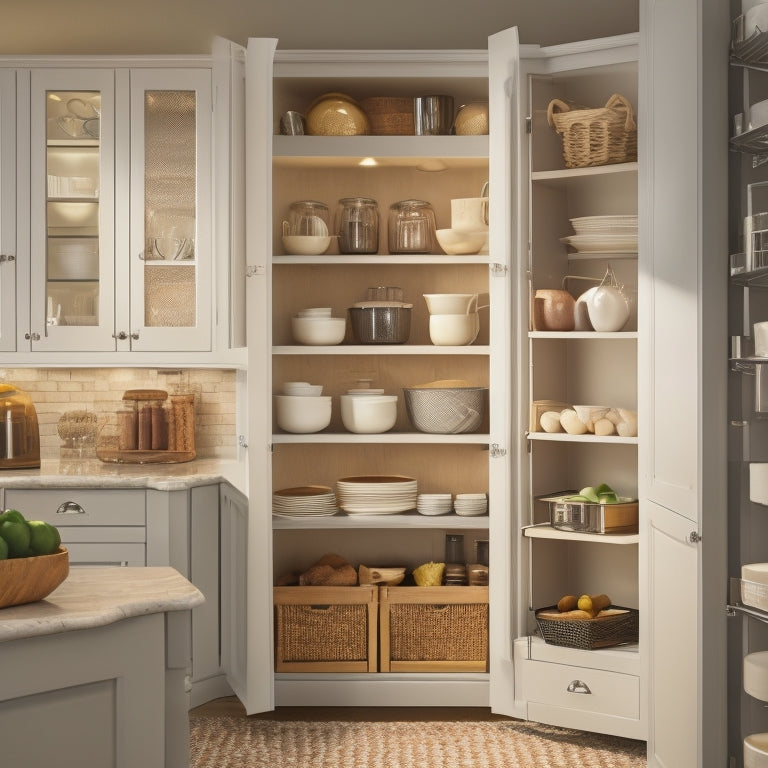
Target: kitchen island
<point>94,674</point>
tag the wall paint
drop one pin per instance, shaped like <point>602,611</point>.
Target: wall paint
<point>187,26</point>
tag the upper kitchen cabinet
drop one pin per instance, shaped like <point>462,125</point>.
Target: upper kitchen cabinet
<point>120,248</point>
<point>7,210</point>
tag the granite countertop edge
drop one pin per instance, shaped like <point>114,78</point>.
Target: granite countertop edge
<point>95,597</point>
<point>92,473</point>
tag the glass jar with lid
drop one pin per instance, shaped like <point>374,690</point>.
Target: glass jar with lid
<point>357,225</point>
<point>411,227</point>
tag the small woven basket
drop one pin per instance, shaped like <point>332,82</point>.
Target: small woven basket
<point>389,115</point>
<point>587,634</point>
<point>595,136</point>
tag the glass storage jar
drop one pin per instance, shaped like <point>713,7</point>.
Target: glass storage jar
<point>411,227</point>
<point>357,225</point>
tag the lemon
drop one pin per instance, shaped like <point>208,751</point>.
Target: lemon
<point>44,538</point>
<point>17,535</point>
<point>585,603</point>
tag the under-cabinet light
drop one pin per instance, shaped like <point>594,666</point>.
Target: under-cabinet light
<point>369,161</point>
<point>432,164</point>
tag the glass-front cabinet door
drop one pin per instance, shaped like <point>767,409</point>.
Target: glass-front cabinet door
<point>7,210</point>
<point>72,172</point>
<point>171,254</point>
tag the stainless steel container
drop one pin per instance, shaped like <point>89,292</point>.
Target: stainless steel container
<point>433,115</point>
<point>584,517</point>
<point>381,324</point>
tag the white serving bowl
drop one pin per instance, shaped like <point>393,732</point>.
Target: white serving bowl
<point>315,312</point>
<point>302,389</point>
<point>756,750</point>
<point>306,245</point>
<point>318,331</point>
<point>756,675</point>
<point>368,414</point>
<point>454,330</point>
<point>302,415</point>
<point>457,243</point>
<point>451,303</point>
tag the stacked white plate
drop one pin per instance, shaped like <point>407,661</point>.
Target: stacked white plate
<point>434,503</point>
<point>471,504</point>
<point>615,234</point>
<point>304,501</point>
<point>376,494</point>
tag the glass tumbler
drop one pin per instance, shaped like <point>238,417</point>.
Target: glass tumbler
<point>357,225</point>
<point>411,227</point>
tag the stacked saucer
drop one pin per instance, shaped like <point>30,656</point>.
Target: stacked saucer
<point>471,504</point>
<point>376,494</point>
<point>434,503</point>
<point>304,501</point>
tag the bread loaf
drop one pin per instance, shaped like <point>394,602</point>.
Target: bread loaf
<point>329,571</point>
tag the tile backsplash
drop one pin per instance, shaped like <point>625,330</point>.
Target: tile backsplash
<point>55,391</point>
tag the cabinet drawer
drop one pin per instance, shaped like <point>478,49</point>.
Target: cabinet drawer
<point>591,690</point>
<point>81,555</point>
<point>64,506</point>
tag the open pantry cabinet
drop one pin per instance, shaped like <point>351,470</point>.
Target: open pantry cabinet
<point>590,689</point>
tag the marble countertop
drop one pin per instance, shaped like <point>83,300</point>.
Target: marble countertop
<point>94,597</point>
<point>92,473</point>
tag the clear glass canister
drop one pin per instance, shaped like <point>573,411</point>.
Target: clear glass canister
<point>357,225</point>
<point>411,227</point>
<point>307,217</point>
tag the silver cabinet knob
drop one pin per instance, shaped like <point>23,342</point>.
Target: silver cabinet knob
<point>120,335</point>
<point>30,336</point>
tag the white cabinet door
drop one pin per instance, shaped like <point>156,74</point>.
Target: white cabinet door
<point>682,389</point>
<point>7,210</point>
<point>170,253</point>
<point>72,211</point>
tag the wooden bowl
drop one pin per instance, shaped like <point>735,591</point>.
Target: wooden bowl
<point>28,579</point>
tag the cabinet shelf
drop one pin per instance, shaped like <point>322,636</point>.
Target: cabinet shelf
<point>564,437</point>
<point>336,151</point>
<point>546,531</point>
<point>379,349</point>
<point>566,174</point>
<point>582,335</point>
<point>620,658</point>
<point>737,606</point>
<point>754,141</point>
<point>394,438</point>
<point>400,520</point>
<point>383,259</point>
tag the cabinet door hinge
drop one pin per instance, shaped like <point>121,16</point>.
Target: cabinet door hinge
<point>528,124</point>
<point>694,537</point>
<point>495,451</point>
<point>498,270</point>
<point>255,269</point>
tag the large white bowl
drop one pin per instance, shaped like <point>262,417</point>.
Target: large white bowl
<point>306,245</point>
<point>318,331</point>
<point>756,18</point>
<point>302,389</point>
<point>458,243</point>
<point>756,674</point>
<point>756,750</point>
<point>303,415</point>
<point>368,414</point>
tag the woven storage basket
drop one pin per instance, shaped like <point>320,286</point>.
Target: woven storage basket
<point>440,629</point>
<point>595,136</point>
<point>445,411</point>
<point>326,629</point>
<point>389,115</point>
<point>587,634</point>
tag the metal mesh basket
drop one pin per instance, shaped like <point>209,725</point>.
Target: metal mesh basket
<point>445,411</point>
<point>381,325</point>
<point>587,634</point>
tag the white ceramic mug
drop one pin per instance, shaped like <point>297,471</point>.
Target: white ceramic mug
<point>451,303</point>
<point>454,330</point>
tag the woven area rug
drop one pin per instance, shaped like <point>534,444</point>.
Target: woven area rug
<point>236,742</point>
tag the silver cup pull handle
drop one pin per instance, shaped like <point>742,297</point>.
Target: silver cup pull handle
<point>578,686</point>
<point>70,508</point>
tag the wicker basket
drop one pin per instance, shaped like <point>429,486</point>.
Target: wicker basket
<point>445,410</point>
<point>325,629</point>
<point>595,136</point>
<point>389,115</point>
<point>603,631</point>
<point>434,629</point>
